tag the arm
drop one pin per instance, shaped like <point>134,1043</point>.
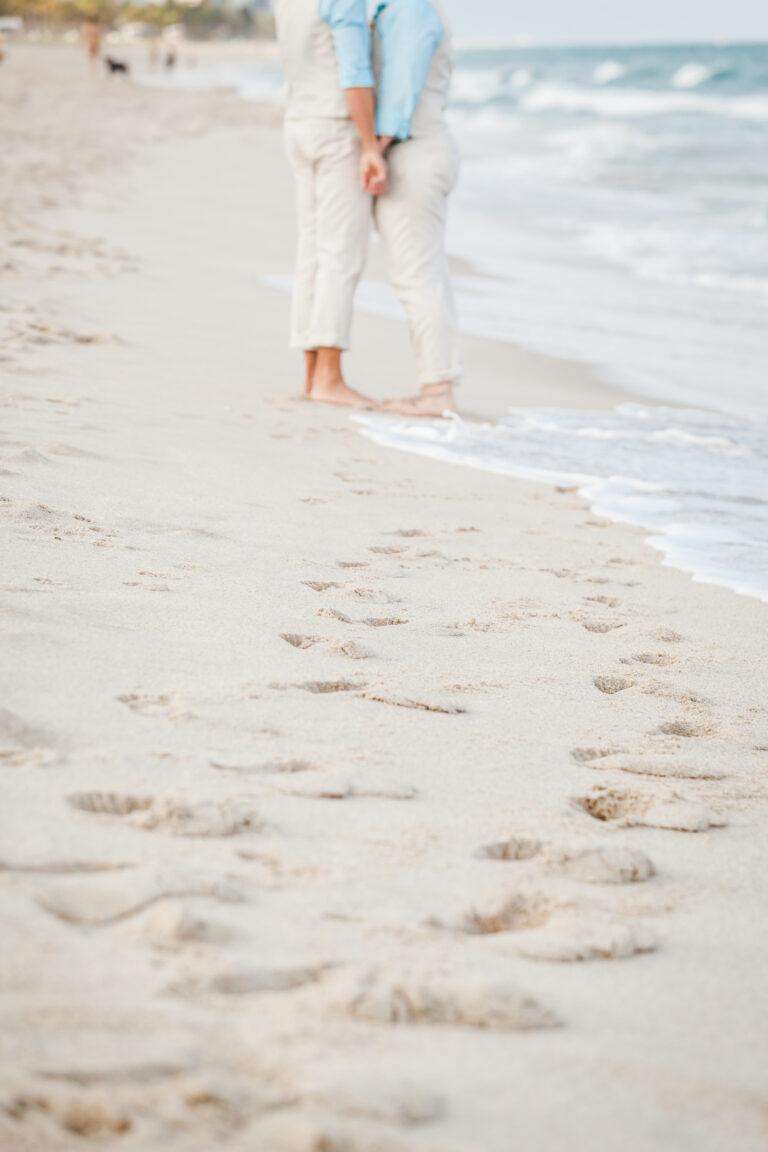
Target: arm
<point>410,32</point>
<point>373,166</point>
<point>352,40</point>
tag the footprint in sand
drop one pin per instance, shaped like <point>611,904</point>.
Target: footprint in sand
<point>513,848</point>
<point>446,707</point>
<point>38,1113</point>
<point>64,867</point>
<point>109,803</point>
<point>596,864</point>
<point>250,981</point>
<point>163,706</point>
<point>586,755</point>
<point>639,810</point>
<point>170,814</point>
<point>600,865</point>
<point>669,636</point>
<point>334,614</point>
<point>103,901</point>
<point>348,648</point>
<point>610,685</point>
<point>351,1115</point>
<point>387,549</point>
<point>601,626</point>
<point>60,525</point>
<point>321,687</point>
<point>690,729</point>
<point>329,786</point>
<point>171,926</point>
<point>459,998</point>
<point>298,641</point>
<point>271,767</point>
<point>370,596</point>
<point>321,585</point>
<point>549,932</point>
<point>514,913</point>
<point>659,659</point>
<point>368,621</point>
<point>658,766</point>
<point>574,939</point>
<point>662,691</point>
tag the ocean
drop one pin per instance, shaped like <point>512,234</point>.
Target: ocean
<point>613,202</point>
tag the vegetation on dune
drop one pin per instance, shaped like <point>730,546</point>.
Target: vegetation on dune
<point>199,20</point>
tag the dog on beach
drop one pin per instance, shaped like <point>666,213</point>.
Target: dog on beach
<point>113,65</point>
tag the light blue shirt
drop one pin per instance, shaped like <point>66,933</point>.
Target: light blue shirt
<point>348,22</point>
<point>410,31</point>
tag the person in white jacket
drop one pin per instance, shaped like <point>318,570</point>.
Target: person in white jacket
<point>331,141</point>
<point>412,57</point>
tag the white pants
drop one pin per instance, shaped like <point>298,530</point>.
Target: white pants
<point>333,227</point>
<point>410,218</point>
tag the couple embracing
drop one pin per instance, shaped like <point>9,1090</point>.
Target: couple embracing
<point>366,135</point>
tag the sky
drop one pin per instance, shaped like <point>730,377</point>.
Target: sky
<point>573,21</point>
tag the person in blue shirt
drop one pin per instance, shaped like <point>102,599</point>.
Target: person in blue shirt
<point>331,141</point>
<point>412,61</point>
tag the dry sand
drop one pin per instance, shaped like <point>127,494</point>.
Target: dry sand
<point>352,802</point>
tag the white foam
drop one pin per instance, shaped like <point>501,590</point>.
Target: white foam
<point>475,86</point>
<point>641,102</point>
<point>692,75</point>
<point>520,78</point>
<point>608,72</point>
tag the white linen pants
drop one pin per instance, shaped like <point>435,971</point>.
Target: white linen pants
<point>333,227</point>
<point>410,218</point>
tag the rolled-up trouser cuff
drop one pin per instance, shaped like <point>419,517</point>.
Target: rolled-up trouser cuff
<point>310,343</point>
<point>446,376</point>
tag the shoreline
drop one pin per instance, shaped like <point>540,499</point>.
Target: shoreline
<point>351,800</point>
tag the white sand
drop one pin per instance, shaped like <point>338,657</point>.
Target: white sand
<point>310,840</point>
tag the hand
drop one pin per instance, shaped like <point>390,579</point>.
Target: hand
<point>373,171</point>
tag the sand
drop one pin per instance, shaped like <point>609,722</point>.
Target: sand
<point>352,802</point>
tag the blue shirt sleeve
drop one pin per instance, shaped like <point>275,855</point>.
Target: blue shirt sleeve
<point>410,32</point>
<point>348,22</point>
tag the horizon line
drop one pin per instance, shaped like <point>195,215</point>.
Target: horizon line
<point>486,43</point>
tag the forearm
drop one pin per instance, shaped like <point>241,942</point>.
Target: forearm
<point>361,107</point>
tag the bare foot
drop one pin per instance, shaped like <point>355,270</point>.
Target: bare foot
<point>335,391</point>
<point>433,400</point>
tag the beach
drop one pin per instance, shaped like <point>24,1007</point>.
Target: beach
<point>353,801</point>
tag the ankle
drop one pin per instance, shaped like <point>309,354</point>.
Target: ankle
<point>328,380</point>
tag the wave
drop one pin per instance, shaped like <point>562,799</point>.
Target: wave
<point>638,102</point>
<point>520,78</point>
<point>608,72</point>
<point>476,86</point>
<point>676,256</point>
<point>692,75</point>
